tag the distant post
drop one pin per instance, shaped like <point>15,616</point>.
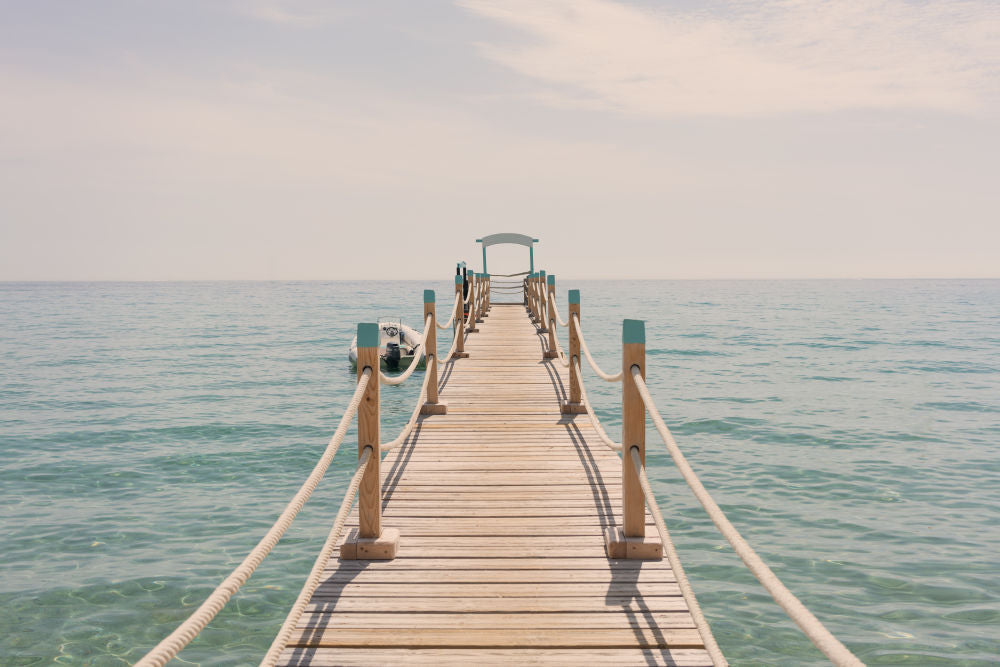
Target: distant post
<point>460,352</point>
<point>551,353</point>
<point>433,406</point>
<point>574,406</point>
<point>473,293</point>
<point>542,319</point>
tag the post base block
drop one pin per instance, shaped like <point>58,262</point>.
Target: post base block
<point>439,408</point>
<point>479,319</point>
<point>472,330</point>
<point>383,547</point>
<point>543,330</point>
<point>459,355</point>
<point>632,548</point>
<point>568,408</point>
<point>551,354</point>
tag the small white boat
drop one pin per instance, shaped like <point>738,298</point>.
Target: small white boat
<point>398,346</point>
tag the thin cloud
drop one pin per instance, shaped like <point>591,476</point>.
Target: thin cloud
<point>296,13</point>
<point>750,58</point>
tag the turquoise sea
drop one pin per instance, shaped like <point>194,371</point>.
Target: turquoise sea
<point>151,432</point>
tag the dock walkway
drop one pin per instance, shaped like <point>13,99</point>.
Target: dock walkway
<point>502,505</point>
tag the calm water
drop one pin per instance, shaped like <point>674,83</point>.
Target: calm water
<point>150,433</point>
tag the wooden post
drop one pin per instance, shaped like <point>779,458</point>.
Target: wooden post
<point>473,296</point>
<point>460,352</point>
<point>370,541</point>
<point>486,296</point>
<point>574,406</point>
<point>433,406</point>
<point>542,319</point>
<point>551,353</point>
<point>630,540</point>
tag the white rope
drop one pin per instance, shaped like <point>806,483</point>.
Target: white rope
<point>607,377</point>
<point>559,350</point>
<point>170,646</point>
<point>810,625</point>
<point>555,312</point>
<point>454,309</point>
<point>707,638</point>
<point>312,582</point>
<point>416,411</point>
<point>611,444</point>
<point>402,377</point>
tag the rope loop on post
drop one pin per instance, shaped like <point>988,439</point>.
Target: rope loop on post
<point>817,633</point>
<point>171,645</point>
<point>607,377</point>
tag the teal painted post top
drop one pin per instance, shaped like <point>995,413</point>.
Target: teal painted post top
<point>552,280</point>
<point>633,331</point>
<point>574,296</point>
<point>367,334</point>
<point>458,280</point>
<point>429,296</point>
<point>541,274</point>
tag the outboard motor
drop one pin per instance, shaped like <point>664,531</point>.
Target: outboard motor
<point>391,356</point>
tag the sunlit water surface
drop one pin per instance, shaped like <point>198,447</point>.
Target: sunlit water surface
<point>151,432</point>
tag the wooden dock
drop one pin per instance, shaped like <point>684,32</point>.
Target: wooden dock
<point>502,506</point>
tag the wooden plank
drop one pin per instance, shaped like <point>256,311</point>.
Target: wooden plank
<point>325,657</point>
<point>491,638</point>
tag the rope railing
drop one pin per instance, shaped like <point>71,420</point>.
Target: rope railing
<point>607,377</point>
<point>707,638</point>
<point>611,444</point>
<point>555,314</point>
<point>822,638</point>
<point>316,574</point>
<point>416,412</point>
<point>451,319</point>
<point>402,377</point>
<point>170,646</point>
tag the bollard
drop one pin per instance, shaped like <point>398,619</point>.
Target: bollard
<point>551,353</point>
<point>630,540</point>
<point>433,406</point>
<point>574,406</point>
<point>369,541</point>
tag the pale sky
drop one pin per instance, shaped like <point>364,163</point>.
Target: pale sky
<point>312,139</point>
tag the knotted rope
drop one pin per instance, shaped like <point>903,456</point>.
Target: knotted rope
<point>607,377</point>
<point>810,625</point>
<point>170,646</point>
<point>312,582</point>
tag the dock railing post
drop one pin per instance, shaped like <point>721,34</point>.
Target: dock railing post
<point>486,296</point>
<point>460,352</point>
<point>433,405</point>
<point>630,540</point>
<point>574,406</point>
<point>473,301</point>
<point>541,303</point>
<point>551,353</point>
<point>369,541</point>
